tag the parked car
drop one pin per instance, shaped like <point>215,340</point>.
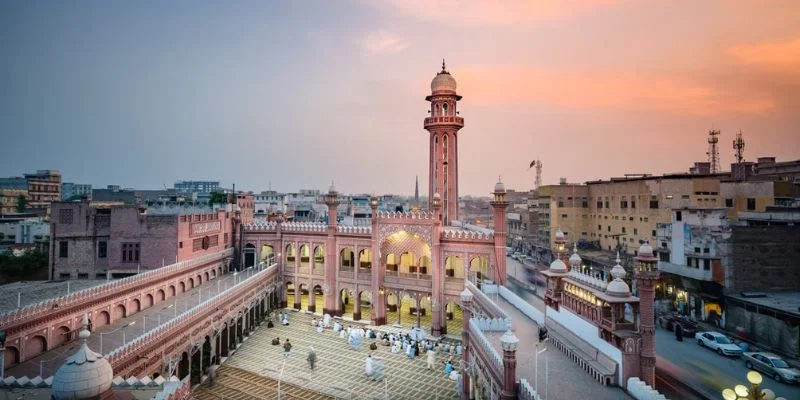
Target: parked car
<point>719,343</point>
<point>688,328</point>
<point>771,365</point>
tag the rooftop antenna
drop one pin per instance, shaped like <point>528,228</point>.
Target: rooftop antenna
<point>713,151</point>
<point>538,181</point>
<point>738,146</point>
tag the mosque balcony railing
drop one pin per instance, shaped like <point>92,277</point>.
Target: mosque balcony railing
<point>364,276</point>
<point>443,120</point>
<point>611,326</point>
<point>408,282</point>
<point>61,304</point>
<point>128,354</point>
<point>346,274</point>
<point>486,352</point>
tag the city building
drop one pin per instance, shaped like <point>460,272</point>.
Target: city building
<point>90,241</point>
<point>269,202</point>
<point>75,191</point>
<point>10,191</point>
<point>197,186</point>
<point>44,187</point>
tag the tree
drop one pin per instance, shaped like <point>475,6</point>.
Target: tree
<point>217,198</point>
<point>21,203</point>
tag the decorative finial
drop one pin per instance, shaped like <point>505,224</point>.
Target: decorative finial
<point>618,260</point>
<point>443,68</point>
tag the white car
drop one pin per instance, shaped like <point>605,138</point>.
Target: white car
<point>719,343</point>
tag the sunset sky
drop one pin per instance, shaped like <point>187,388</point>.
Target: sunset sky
<point>299,93</point>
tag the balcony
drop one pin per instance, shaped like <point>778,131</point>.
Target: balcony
<point>448,120</point>
<point>699,274</point>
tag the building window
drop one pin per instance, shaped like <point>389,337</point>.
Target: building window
<point>633,203</point>
<point>678,216</point>
<point>63,249</point>
<point>635,231</point>
<point>180,245</point>
<point>653,234</point>
<point>697,250</point>
<point>728,202</point>
<point>64,216</point>
<point>751,204</point>
<point>653,204</point>
<point>706,264</point>
<point>599,204</point>
<point>130,252</point>
<point>705,250</point>
<point>102,249</point>
<point>623,229</point>
<point>83,275</point>
<point>663,256</point>
<point>599,227</point>
<point>609,228</point>
<point>564,216</point>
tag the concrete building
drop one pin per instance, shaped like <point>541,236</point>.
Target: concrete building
<point>44,187</point>
<point>197,186</point>
<point>269,202</point>
<point>75,191</point>
<point>10,190</point>
<point>90,242</point>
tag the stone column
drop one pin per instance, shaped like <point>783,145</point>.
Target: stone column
<point>466,306</point>
<point>500,204</point>
<point>378,270</point>
<point>332,201</point>
<point>646,275</point>
<point>437,296</point>
<point>357,308</point>
<point>509,343</point>
<point>312,300</point>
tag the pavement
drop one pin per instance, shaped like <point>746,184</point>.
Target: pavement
<point>109,337</point>
<point>29,292</point>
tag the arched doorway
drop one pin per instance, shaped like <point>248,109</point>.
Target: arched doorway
<point>363,309</point>
<point>161,296</point>
<point>101,319</point>
<point>305,259</point>
<point>454,267</point>
<point>148,301</point>
<point>249,255</point>
<point>365,260</point>
<point>136,306</point>
<point>316,300</point>
<point>302,296</point>
<point>292,297</point>
<point>60,336</point>
<point>392,308</point>
<point>11,357</point>
<point>183,365</point>
<point>191,283</point>
<point>479,267</point>
<point>347,259</point>
<point>119,312</point>
<point>291,256</point>
<point>319,259</point>
<point>224,343</point>
<point>267,254</point>
<point>453,318</point>
<point>392,262</point>
<point>35,346</point>
<point>425,267</point>
<point>171,290</point>
<point>408,264</point>
<point>347,304</point>
<point>182,287</point>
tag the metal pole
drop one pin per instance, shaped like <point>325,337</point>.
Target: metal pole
<point>68,288</point>
<point>546,377</point>
<point>536,370</point>
<point>2,361</point>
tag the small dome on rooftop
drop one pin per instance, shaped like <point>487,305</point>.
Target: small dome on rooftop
<point>499,187</point>
<point>558,266</point>
<point>85,374</point>
<point>645,250</point>
<point>575,259</point>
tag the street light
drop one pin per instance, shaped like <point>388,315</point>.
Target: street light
<point>755,392</point>
<point>116,330</point>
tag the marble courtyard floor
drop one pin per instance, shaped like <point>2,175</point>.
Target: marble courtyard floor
<point>252,372</point>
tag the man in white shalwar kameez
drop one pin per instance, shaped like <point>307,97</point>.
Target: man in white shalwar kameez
<point>431,358</point>
<point>368,366</point>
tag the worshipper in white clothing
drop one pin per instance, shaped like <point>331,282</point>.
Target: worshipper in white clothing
<point>342,334</point>
<point>285,320</point>
<point>337,326</point>
<point>459,349</point>
<point>414,334</point>
<point>326,320</point>
<point>410,352</point>
<point>319,327</point>
<point>368,367</point>
<point>314,322</point>
<point>395,348</point>
<point>431,358</point>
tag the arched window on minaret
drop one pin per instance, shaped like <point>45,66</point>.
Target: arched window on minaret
<point>437,110</point>
<point>444,109</point>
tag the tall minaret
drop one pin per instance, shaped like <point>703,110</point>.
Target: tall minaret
<point>646,275</point>
<point>443,125</point>
<point>416,192</point>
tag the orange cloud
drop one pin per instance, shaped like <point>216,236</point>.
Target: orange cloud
<point>778,56</point>
<point>382,42</point>
<point>507,85</point>
<point>492,12</point>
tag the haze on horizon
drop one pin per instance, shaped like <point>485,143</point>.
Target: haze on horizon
<point>297,94</point>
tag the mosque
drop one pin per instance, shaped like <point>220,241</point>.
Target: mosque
<point>410,265</point>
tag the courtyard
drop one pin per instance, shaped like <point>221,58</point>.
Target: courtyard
<point>253,371</point>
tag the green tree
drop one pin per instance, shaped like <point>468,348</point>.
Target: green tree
<point>21,203</point>
<point>218,198</point>
<point>30,265</point>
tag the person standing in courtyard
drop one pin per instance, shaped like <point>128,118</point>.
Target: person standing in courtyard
<point>287,347</point>
<point>312,357</point>
<point>431,358</point>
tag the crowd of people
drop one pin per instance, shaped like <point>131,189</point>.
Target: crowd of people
<point>411,344</point>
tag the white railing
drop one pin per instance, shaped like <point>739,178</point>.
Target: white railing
<point>355,229</point>
<point>588,279</point>
<point>185,320</point>
<point>115,286</point>
<point>484,302</point>
<point>304,227</point>
<point>465,234</point>
<point>492,324</point>
<point>526,392</point>
<point>642,391</point>
<point>523,306</point>
<point>406,215</point>
<point>478,339</point>
<point>261,225</point>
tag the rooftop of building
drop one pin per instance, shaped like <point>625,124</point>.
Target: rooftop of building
<point>788,302</point>
<point>16,182</point>
<point>31,292</point>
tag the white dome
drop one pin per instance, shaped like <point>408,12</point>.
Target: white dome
<point>560,235</point>
<point>437,196</point>
<point>575,259</point>
<point>443,81</point>
<point>558,266</point>
<point>619,288</point>
<point>85,374</point>
<point>646,250</point>
<point>499,186</point>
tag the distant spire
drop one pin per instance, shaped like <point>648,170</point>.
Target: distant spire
<point>416,191</point>
<point>443,67</point>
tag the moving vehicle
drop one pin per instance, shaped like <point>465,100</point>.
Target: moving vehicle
<point>771,365</point>
<point>719,343</point>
